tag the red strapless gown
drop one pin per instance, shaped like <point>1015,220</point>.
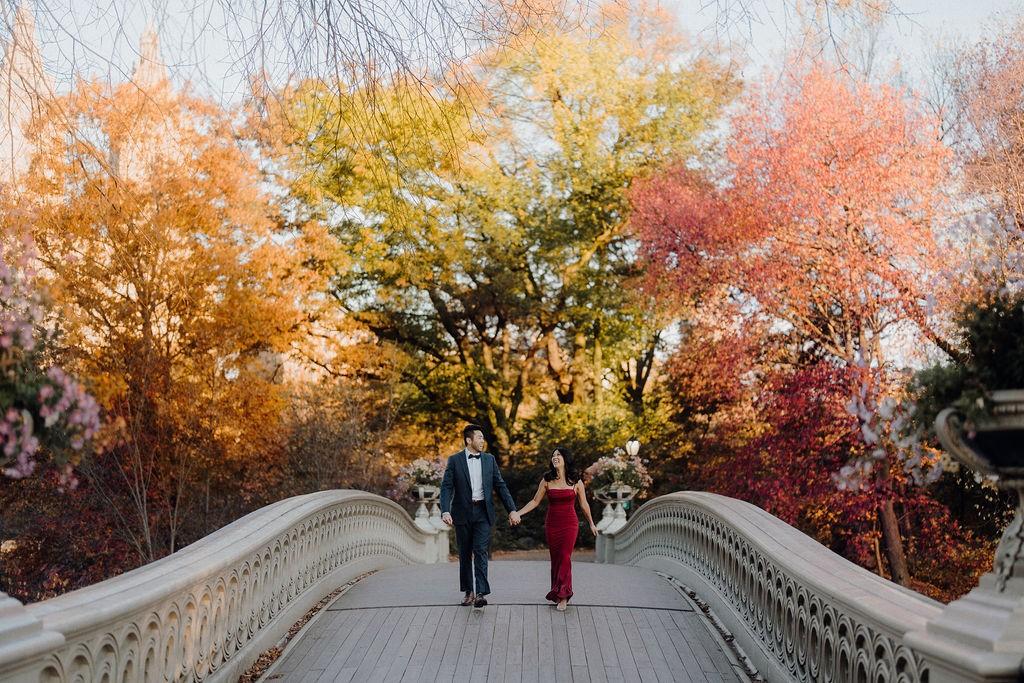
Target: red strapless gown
<point>561,527</point>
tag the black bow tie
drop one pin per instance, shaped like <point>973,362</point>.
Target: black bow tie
<point>477,456</point>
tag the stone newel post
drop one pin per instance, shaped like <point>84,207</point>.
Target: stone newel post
<point>613,516</point>
<point>22,639</point>
<point>428,517</point>
<point>983,632</point>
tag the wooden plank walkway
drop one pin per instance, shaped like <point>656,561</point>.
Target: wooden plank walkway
<point>405,624</point>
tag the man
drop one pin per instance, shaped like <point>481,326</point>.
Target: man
<point>467,501</point>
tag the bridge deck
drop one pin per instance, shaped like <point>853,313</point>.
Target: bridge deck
<point>404,624</point>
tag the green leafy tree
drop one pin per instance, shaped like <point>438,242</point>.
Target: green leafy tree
<point>486,233</point>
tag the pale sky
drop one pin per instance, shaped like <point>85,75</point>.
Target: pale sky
<point>907,42</point>
<point>100,37</point>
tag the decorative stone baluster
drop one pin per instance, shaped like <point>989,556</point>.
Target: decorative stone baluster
<point>620,493</point>
<point>435,517</point>
<point>425,494</point>
<point>442,531</point>
<point>802,613</point>
<point>608,514</point>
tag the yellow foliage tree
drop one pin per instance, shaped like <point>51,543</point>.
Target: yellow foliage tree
<point>485,230</point>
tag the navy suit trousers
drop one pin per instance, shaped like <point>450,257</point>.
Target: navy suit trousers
<point>474,541</point>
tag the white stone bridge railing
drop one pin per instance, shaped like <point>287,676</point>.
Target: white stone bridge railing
<point>802,613</point>
<point>206,612</point>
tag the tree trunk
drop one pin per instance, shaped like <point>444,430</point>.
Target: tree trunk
<point>579,369</point>
<point>501,447</point>
<point>893,543</point>
<point>878,559</point>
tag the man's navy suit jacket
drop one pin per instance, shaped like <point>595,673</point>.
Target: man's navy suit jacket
<point>457,492</point>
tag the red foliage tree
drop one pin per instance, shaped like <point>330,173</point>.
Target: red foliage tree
<point>804,433</point>
<point>824,225</point>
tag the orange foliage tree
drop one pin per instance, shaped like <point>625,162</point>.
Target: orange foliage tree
<point>178,287</point>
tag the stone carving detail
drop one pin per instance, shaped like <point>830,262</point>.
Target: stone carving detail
<point>193,633</point>
<point>811,635</point>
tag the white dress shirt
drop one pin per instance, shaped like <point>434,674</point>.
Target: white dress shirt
<point>476,477</point>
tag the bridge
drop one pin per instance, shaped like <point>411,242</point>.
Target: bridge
<point>694,587</point>
<point>400,624</point>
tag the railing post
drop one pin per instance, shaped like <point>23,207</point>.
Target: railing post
<point>441,538</point>
<point>608,513</point>
<point>604,547</point>
<point>22,641</point>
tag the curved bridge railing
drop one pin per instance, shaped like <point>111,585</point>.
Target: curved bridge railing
<point>799,611</point>
<point>206,612</point>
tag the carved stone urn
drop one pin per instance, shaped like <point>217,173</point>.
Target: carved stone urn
<point>426,492</point>
<point>994,445</point>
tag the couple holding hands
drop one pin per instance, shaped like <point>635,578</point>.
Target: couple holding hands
<point>470,479</point>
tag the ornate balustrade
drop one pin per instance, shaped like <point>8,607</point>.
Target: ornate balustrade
<point>206,612</point>
<point>799,611</point>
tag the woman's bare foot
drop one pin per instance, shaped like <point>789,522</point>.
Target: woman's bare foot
<point>561,605</point>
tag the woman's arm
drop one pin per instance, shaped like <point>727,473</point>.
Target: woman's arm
<point>581,494</point>
<point>536,498</point>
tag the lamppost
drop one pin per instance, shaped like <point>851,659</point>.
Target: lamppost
<point>632,448</point>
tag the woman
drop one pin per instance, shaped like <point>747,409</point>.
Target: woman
<point>563,488</point>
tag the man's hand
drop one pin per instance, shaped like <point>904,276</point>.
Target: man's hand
<point>447,518</point>
<point>514,518</point>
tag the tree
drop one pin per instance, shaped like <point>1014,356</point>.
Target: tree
<point>179,288</point>
<point>507,260</point>
<point>798,435</point>
<point>985,83</point>
<point>825,225</point>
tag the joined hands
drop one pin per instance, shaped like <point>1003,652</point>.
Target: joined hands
<point>514,518</point>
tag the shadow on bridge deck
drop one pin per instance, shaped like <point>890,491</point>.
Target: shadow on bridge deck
<point>404,624</point>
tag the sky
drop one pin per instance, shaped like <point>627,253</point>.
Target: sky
<point>100,37</point>
<point>908,38</point>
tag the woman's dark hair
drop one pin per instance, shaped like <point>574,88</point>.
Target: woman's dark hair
<point>571,477</point>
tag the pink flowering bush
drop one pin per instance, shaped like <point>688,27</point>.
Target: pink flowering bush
<point>618,469</point>
<point>887,429</point>
<point>420,472</point>
<point>41,408</point>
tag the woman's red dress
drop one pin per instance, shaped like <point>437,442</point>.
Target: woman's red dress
<point>561,527</point>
